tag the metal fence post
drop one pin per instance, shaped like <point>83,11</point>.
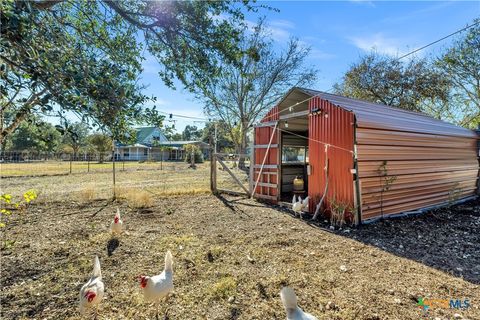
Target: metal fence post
<point>71,163</point>
<point>113,164</point>
<point>88,163</point>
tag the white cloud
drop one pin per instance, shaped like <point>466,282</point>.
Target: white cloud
<point>364,2</point>
<point>321,55</point>
<point>150,65</point>
<point>380,43</point>
<point>283,24</point>
<point>278,30</point>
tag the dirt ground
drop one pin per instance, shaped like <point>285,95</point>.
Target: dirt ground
<point>378,271</point>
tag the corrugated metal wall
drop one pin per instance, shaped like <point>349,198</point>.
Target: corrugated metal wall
<point>426,169</point>
<point>267,188</point>
<point>334,126</point>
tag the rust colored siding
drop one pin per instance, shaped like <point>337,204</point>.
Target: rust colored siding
<point>427,169</point>
<point>267,188</point>
<point>334,126</point>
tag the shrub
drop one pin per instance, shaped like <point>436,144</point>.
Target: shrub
<point>196,151</point>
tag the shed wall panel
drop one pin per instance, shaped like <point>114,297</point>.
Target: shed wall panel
<point>334,127</point>
<point>269,174</point>
<point>427,169</point>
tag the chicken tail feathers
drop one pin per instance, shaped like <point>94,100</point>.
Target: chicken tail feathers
<point>168,262</point>
<point>289,299</point>
<point>97,272</point>
<point>305,201</point>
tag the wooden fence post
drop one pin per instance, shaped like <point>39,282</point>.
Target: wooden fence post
<point>213,171</point>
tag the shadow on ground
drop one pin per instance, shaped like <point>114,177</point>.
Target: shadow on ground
<point>447,239</point>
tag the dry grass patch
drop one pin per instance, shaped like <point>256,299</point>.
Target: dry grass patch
<point>224,288</point>
<point>137,198</point>
<point>87,194</point>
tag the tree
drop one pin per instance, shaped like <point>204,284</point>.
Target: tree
<point>246,90</point>
<point>223,141</point>
<point>461,64</point>
<point>101,144</point>
<point>85,56</point>
<point>58,60</point>
<point>414,85</point>
<point>36,135</point>
<point>191,133</point>
<point>174,136</point>
<point>75,136</point>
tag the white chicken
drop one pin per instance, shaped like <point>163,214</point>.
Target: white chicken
<point>289,300</point>
<point>159,287</point>
<point>92,292</point>
<point>117,223</point>
<point>300,205</point>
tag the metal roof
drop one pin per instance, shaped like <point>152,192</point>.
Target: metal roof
<point>378,116</point>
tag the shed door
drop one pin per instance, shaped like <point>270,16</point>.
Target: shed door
<point>266,161</point>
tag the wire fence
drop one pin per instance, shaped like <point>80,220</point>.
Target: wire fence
<point>89,177</point>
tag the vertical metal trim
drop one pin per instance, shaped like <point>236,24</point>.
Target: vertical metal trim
<point>357,175</point>
<point>478,158</point>
<point>279,163</point>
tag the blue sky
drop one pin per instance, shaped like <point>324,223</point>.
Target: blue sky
<point>339,33</point>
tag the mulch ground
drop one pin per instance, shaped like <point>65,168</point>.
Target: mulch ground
<point>231,258</point>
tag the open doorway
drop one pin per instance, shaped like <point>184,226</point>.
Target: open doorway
<point>294,163</point>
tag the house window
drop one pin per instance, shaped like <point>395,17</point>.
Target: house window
<point>126,154</point>
<point>145,152</point>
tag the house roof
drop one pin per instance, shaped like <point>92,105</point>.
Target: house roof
<point>144,132</point>
<point>374,115</point>
<point>136,145</point>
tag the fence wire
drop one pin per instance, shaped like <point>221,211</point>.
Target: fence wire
<point>87,177</point>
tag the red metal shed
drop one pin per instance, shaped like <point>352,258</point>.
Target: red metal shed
<point>382,161</point>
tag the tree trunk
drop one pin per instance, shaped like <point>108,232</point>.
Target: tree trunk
<point>242,147</point>
<point>20,116</point>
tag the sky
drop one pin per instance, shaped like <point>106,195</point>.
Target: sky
<point>338,32</point>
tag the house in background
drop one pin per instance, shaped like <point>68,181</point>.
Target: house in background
<point>176,149</point>
<point>152,144</point>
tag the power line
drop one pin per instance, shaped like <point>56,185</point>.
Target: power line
<point>436,41</point>
<point>171,115</point>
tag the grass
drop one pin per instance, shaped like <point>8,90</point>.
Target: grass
<point>224,288</point>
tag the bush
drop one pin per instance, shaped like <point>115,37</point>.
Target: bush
<point>196,151</point>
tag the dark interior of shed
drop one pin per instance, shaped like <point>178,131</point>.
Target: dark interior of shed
<point>294,160</point>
